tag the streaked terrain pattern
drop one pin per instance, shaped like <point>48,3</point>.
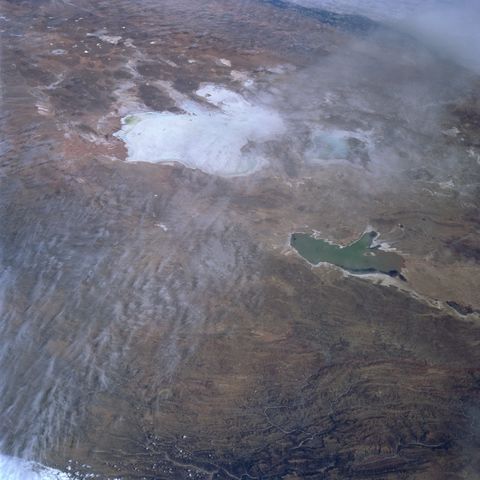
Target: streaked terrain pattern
<point>155,158</point>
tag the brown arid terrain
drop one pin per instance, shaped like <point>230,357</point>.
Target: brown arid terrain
<point>155,322</point>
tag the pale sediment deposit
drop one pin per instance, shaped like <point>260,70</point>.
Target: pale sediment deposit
<point>224,136</point>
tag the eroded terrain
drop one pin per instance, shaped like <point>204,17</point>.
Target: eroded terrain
<point>156,322</point>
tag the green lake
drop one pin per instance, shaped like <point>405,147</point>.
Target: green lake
<point>361,256</point>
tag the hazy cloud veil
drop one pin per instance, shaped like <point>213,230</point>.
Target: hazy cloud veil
<point>450,27</point>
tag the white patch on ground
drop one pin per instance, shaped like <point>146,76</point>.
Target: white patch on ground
<point>472,153</point>
<point>223,139</point>
<point>223,62</point>
<point>102,35</point>
<point>279,69</point>
<point>451,132</point>
<point>43,108</point>
<point>170,63</point>
<point>242,77</point>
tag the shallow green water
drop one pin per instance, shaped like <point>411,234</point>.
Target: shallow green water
<point>131,120</point>
<point>359,257</point>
